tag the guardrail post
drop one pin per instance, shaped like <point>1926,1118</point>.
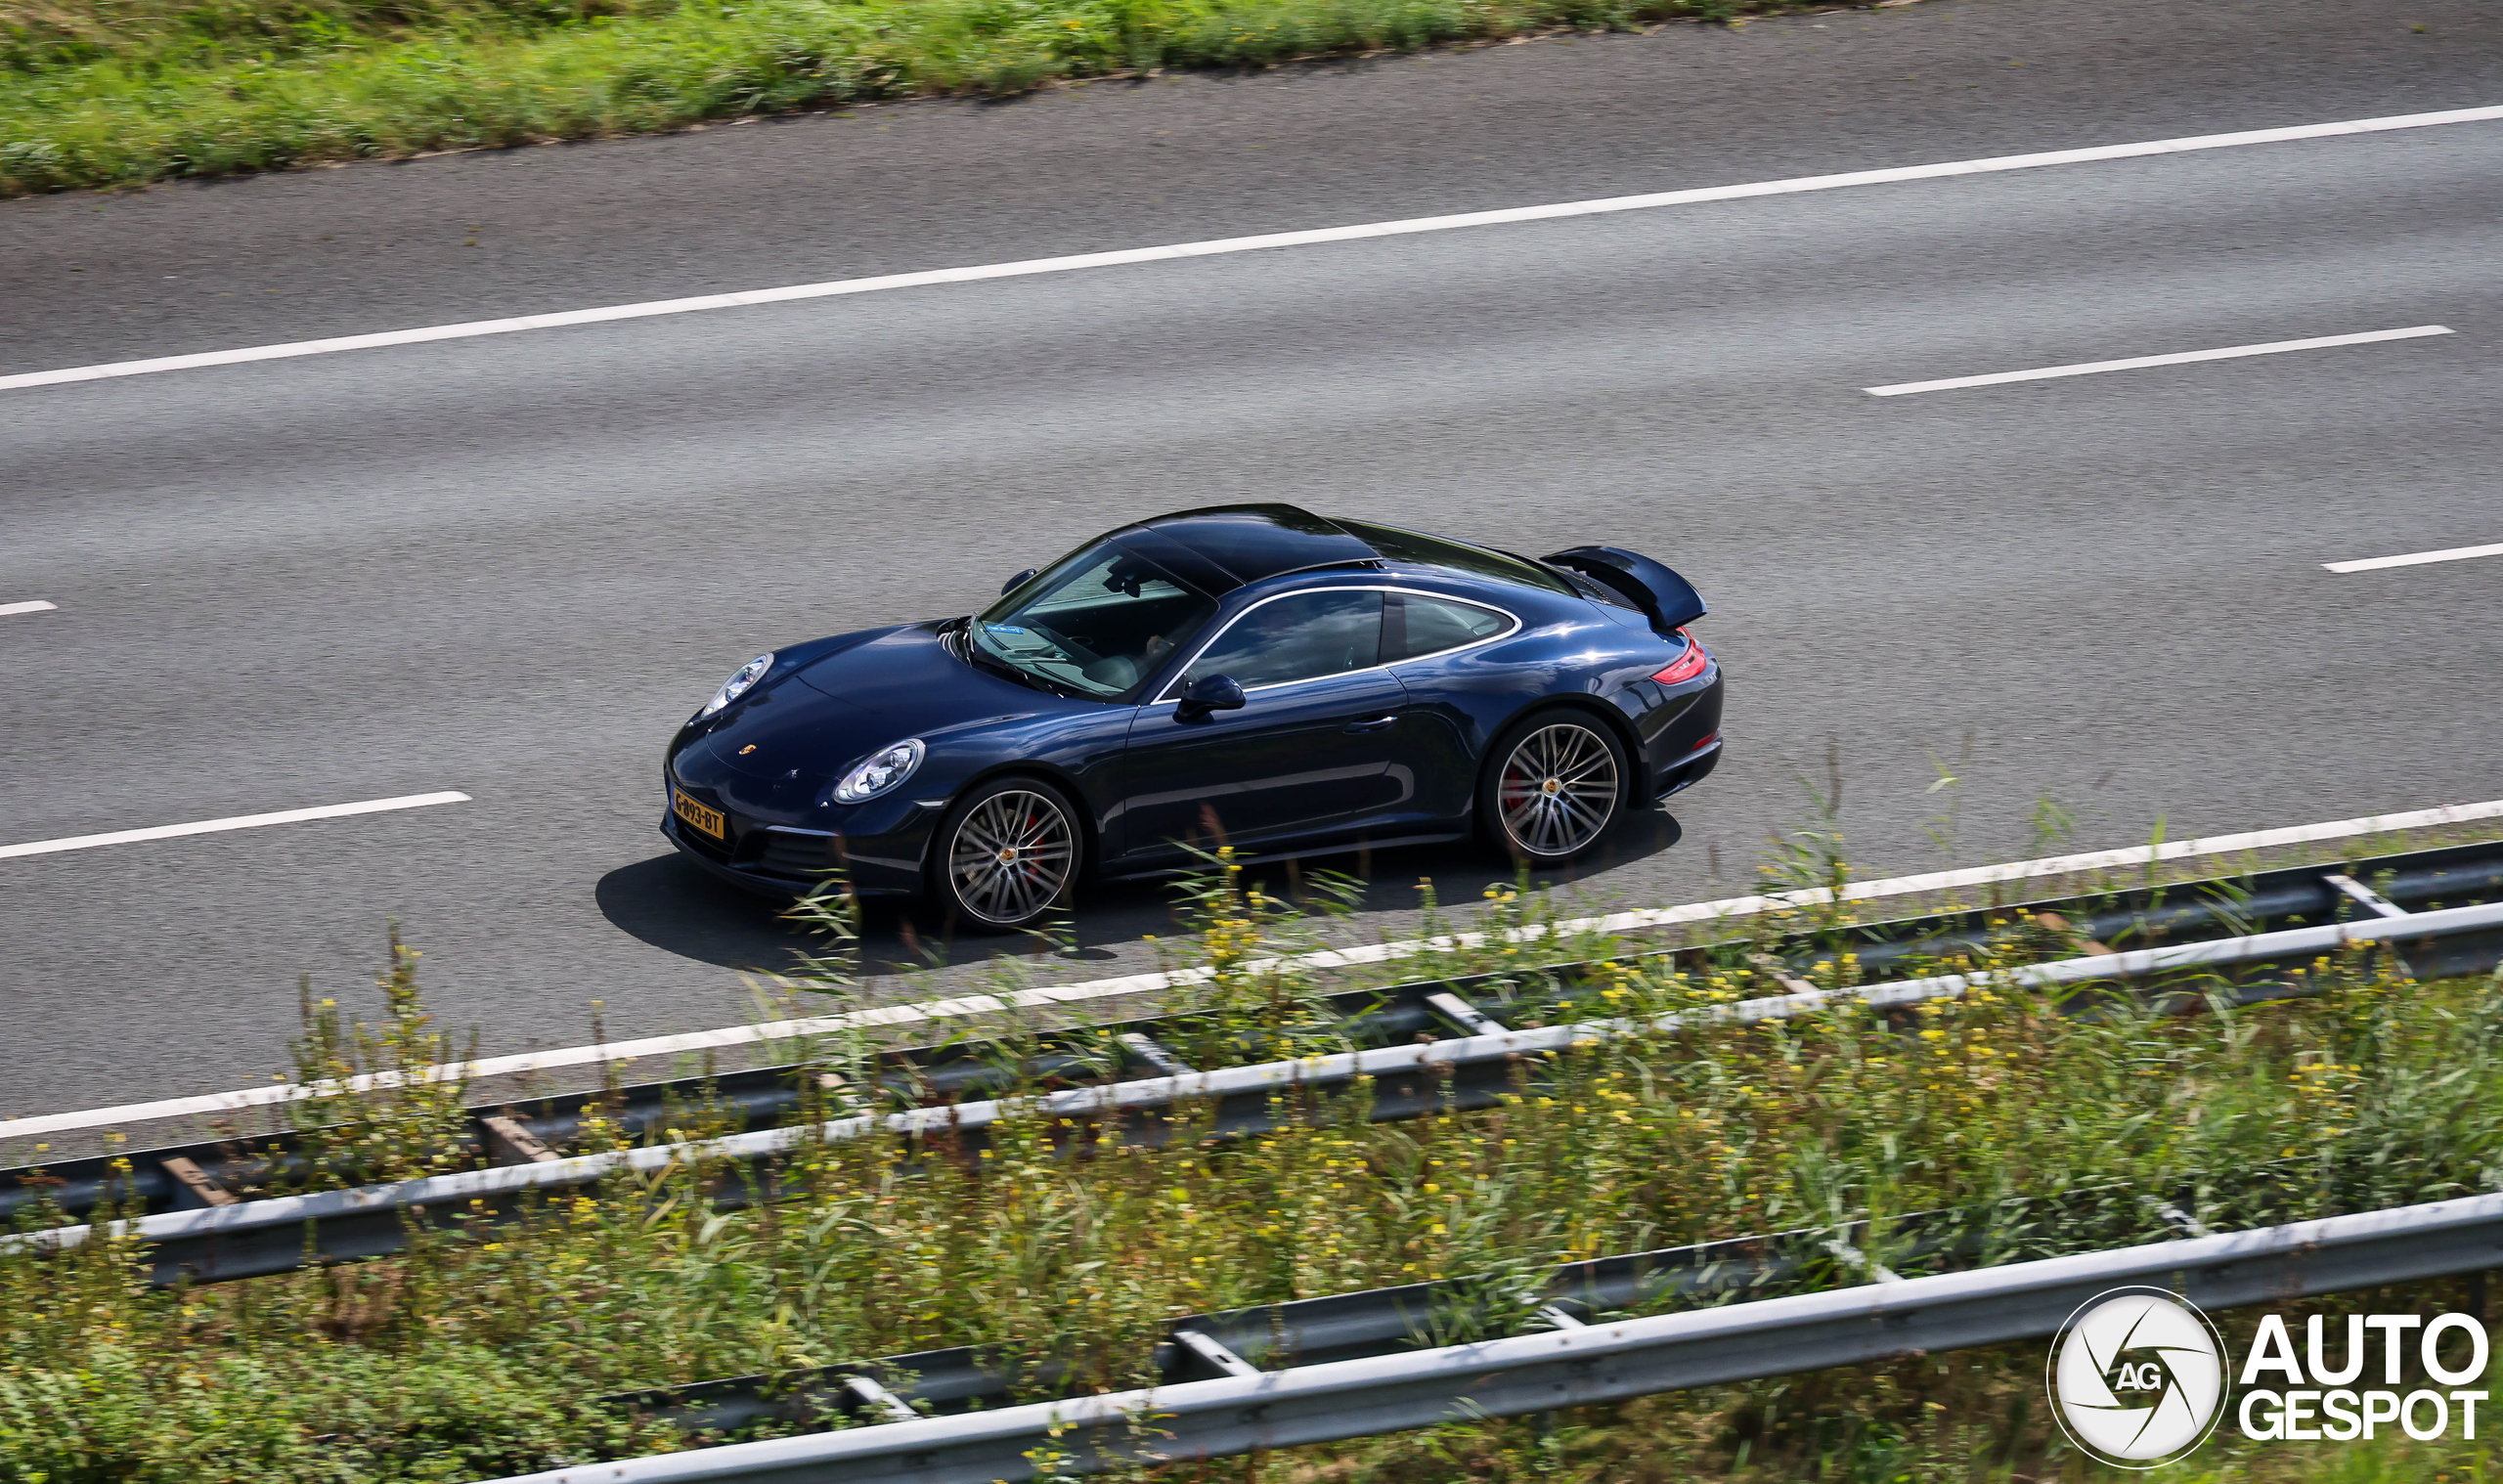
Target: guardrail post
<point>195,1185</point>
<point>2374,901</point>
<point>2379,906</point>
<point>836,1086</point>
<point>1465,1016</point>
<point>2178,1219</point>
<point>1148,1049</point>
<point>508,1143</point>
<point>876,1398</point>
<point>1779,972</point>
<point>2058,924</point>
<point>1226,1361</point>
<point>1858,1261</point>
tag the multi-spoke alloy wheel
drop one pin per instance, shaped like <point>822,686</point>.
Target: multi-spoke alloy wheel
<point>1557,789</point>
<point>1010,855</point>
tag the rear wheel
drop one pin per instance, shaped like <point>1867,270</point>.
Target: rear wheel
<point>1007,854</point>
<point>1553,786</point>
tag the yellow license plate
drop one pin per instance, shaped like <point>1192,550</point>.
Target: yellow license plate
<point>708,820</point>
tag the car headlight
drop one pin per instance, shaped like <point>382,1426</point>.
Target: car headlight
<point>890,766</point>
<point>737,685</point>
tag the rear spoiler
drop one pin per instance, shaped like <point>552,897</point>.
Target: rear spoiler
<point>1668,600</point>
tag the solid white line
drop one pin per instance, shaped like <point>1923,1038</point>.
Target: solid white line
<point>2182,358</point>
<point>2416,558</point>
<point>1135,983</point>
<point>237,822</point>
<point>38,605</point>
<point>1262,242</point>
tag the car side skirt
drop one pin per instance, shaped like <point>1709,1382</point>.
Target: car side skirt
<point>1301,852</point>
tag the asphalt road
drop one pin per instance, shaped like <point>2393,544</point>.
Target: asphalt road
<point>508,566</point>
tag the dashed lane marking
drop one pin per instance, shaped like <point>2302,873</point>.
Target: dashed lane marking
<point>1224,246</point>
<point>2416,558</point>
<point>2179,358</point>
<point>236,822</point>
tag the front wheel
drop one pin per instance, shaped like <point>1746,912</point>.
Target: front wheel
<point>1553,786</point>
<point>1007,855</point>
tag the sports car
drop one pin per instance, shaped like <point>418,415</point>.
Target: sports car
<point>1252,674</point>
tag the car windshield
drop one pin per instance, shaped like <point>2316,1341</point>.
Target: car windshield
<point>1095,625</point>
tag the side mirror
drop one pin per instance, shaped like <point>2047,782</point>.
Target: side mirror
<point>1017,582</point>
<point>1208,693</point>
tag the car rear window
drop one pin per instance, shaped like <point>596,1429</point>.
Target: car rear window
<point>1457,557</point>
<point>1421,626</point>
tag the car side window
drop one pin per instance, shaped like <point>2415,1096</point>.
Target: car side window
<point>1301,636</point>
<point>1421,626</point>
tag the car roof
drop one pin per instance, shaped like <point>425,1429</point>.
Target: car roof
<point>1253,542</point>
<point>1221,549</point>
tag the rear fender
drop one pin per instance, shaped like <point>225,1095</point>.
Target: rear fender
<point>1669,600</point>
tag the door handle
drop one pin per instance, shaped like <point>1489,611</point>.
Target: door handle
<point>1376,724</point>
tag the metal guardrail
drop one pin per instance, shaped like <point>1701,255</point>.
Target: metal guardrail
<point>1480,1306</point>
<point>216,1172</point>
<point>2255,902</point>
<point>270,1236</point>
<point>170,1178</point>
<point>1575,1365</point>
<point>1300,1332</point>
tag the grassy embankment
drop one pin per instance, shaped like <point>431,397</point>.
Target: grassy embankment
<point>479,1354</point>
<point>98,92</point>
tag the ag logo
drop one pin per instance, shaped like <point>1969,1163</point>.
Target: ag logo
<point>2138,1378</point>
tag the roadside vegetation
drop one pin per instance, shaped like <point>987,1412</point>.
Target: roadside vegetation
<point>101,93</point>
<point>485,1349</point>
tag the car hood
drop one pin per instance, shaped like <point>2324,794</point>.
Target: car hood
<point>894,684</point>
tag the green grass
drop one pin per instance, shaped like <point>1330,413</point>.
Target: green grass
<point>479,1351</point>
<point>98,92</point>
<point>1973,1418</point>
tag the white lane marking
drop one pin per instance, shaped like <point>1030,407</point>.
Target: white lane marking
<point>1135,983</point>
<point>37,605</point>
<point>237,822</point>
<point>2181,358</point>
<point>1258,243</point>
<point>2416,558</point>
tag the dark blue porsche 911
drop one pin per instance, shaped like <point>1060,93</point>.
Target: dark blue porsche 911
<point>1289,684</point>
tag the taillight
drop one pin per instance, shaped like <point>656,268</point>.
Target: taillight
<point>1689,664</point>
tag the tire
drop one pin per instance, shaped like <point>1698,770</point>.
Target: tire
<point>1006,855</point>
<point>1554,783</point>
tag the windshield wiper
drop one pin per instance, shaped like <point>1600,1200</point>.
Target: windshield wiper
<point>984,659</point>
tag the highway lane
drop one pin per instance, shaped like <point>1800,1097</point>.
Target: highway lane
<point>507,567</point>
<point>893,189</point>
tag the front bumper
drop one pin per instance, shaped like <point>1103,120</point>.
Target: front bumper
<point>881,857</point>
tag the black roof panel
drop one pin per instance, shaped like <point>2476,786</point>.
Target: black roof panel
<point>1256,541</point>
